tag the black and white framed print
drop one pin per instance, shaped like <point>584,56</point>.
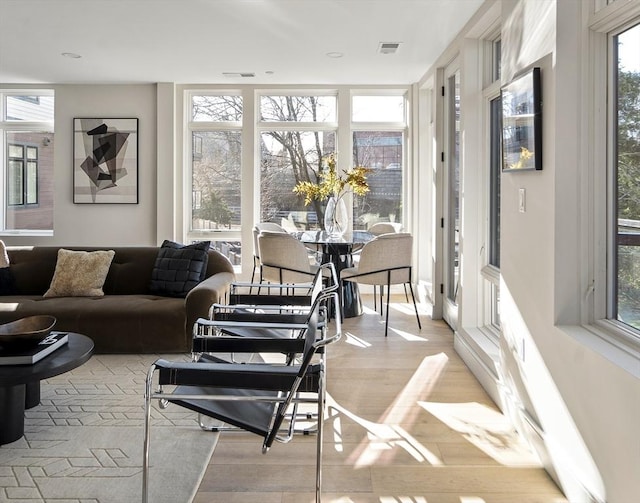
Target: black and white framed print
<point>105,161</point>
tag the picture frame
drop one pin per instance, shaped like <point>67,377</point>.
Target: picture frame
<point>522,122</point>
<point>105,161</point>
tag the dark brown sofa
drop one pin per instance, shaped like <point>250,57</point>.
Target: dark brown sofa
<point>128,319</point>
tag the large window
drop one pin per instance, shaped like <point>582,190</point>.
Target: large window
<point>625,181</point>
<point>492,273</point>
<point>248,148</point>
<point>296,133</point>
<point>379,124</point>
<point>215,139</point>
<point>491,269</point>
<point>27,131</point>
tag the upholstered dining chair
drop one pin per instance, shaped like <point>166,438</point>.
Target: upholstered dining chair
<point>384,261</point>
<point>384,228</point>
<point>377,229</point>
<point>257,229</point>
<point>284,259</point>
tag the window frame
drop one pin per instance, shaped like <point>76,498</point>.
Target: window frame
<point>26,161</point>
<point>198,126</point>
<point>610,319</point>
<point>8,126</point>
<point>606,333</point>
<point>266,126</point>
<point>490,272</point>
<point>252,128</point>
<point>402,127</point>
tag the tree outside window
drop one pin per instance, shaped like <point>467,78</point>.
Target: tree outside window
<point>627,278</point>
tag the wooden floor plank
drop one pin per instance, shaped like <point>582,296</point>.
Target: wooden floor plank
<point>406,422</point>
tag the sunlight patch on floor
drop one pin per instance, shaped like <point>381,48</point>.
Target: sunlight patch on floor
<point>371,310</point>
<point>487,429</point>
<point>379,439</point>
<point>407,336</point>
<point>386,435</point>
<point>354,340</point>
<point>404,308</point>
<point>403,499</point>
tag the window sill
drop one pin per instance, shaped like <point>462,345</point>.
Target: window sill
<point>610,341</point>
<point>27,233</point>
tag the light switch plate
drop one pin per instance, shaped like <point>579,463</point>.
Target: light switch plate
<point>522,207</point>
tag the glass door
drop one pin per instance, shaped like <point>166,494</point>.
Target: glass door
<point>451,222</point>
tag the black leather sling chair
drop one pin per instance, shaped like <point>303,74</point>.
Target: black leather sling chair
<point>269,314</point>
<point>252,397</point>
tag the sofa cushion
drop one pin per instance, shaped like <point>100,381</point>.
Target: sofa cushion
<point>80,273</point>
<point>116,323</point>
<point>179,268</point>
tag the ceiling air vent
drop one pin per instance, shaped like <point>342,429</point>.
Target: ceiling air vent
<point>239,74</point>
<point>388,47</point>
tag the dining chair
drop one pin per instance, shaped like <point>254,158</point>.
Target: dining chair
<point>384,228</point>
<point>284,259</point>
<point>384,261</point>
<point>377,229</point>
<point>257,229</point>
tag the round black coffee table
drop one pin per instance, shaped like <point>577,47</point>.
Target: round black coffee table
<point>20,384</point>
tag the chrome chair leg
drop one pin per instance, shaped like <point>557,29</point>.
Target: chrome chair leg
<point>147,437</point>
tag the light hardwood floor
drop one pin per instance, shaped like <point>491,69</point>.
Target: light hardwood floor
<point>407,422</point>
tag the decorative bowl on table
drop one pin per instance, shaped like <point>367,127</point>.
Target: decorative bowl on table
<point>25,333</point>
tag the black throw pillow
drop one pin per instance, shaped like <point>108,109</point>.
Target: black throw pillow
<point>178,268</point>
<point>7,282</point>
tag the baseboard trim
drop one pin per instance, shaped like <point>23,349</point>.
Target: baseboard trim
<point>477,351</point>
<point>483,366</point>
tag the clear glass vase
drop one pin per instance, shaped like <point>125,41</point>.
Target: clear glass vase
<point>336,218</point>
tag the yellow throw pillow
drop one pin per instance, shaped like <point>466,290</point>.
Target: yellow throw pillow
<point>80,273</point>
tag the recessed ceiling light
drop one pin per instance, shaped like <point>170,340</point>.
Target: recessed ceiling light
<point>335,54</point>
<point>71,55</point>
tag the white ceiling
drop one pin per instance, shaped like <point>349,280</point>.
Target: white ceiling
<point>195,41</point>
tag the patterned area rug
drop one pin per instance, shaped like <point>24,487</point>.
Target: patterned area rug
<point>83,443</point>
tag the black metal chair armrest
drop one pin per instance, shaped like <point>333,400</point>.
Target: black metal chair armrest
<point>232,344</point>
<point>226,375</point>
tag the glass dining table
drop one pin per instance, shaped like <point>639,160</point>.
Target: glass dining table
<point>339,251</point>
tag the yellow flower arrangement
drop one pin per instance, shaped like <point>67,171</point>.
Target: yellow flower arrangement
<point>525,155</point>
<point>333,184</point>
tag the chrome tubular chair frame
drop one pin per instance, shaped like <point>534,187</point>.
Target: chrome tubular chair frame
<point>260,394</point>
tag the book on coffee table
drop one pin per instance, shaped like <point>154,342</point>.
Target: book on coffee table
<point>36,353</point>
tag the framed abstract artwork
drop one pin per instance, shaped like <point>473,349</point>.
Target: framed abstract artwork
<point>105,161</point>
<point>522,122</point>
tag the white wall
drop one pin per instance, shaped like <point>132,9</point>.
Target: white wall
<point>587,406</point>
<point>576,399</point>
<point>102,224</point>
